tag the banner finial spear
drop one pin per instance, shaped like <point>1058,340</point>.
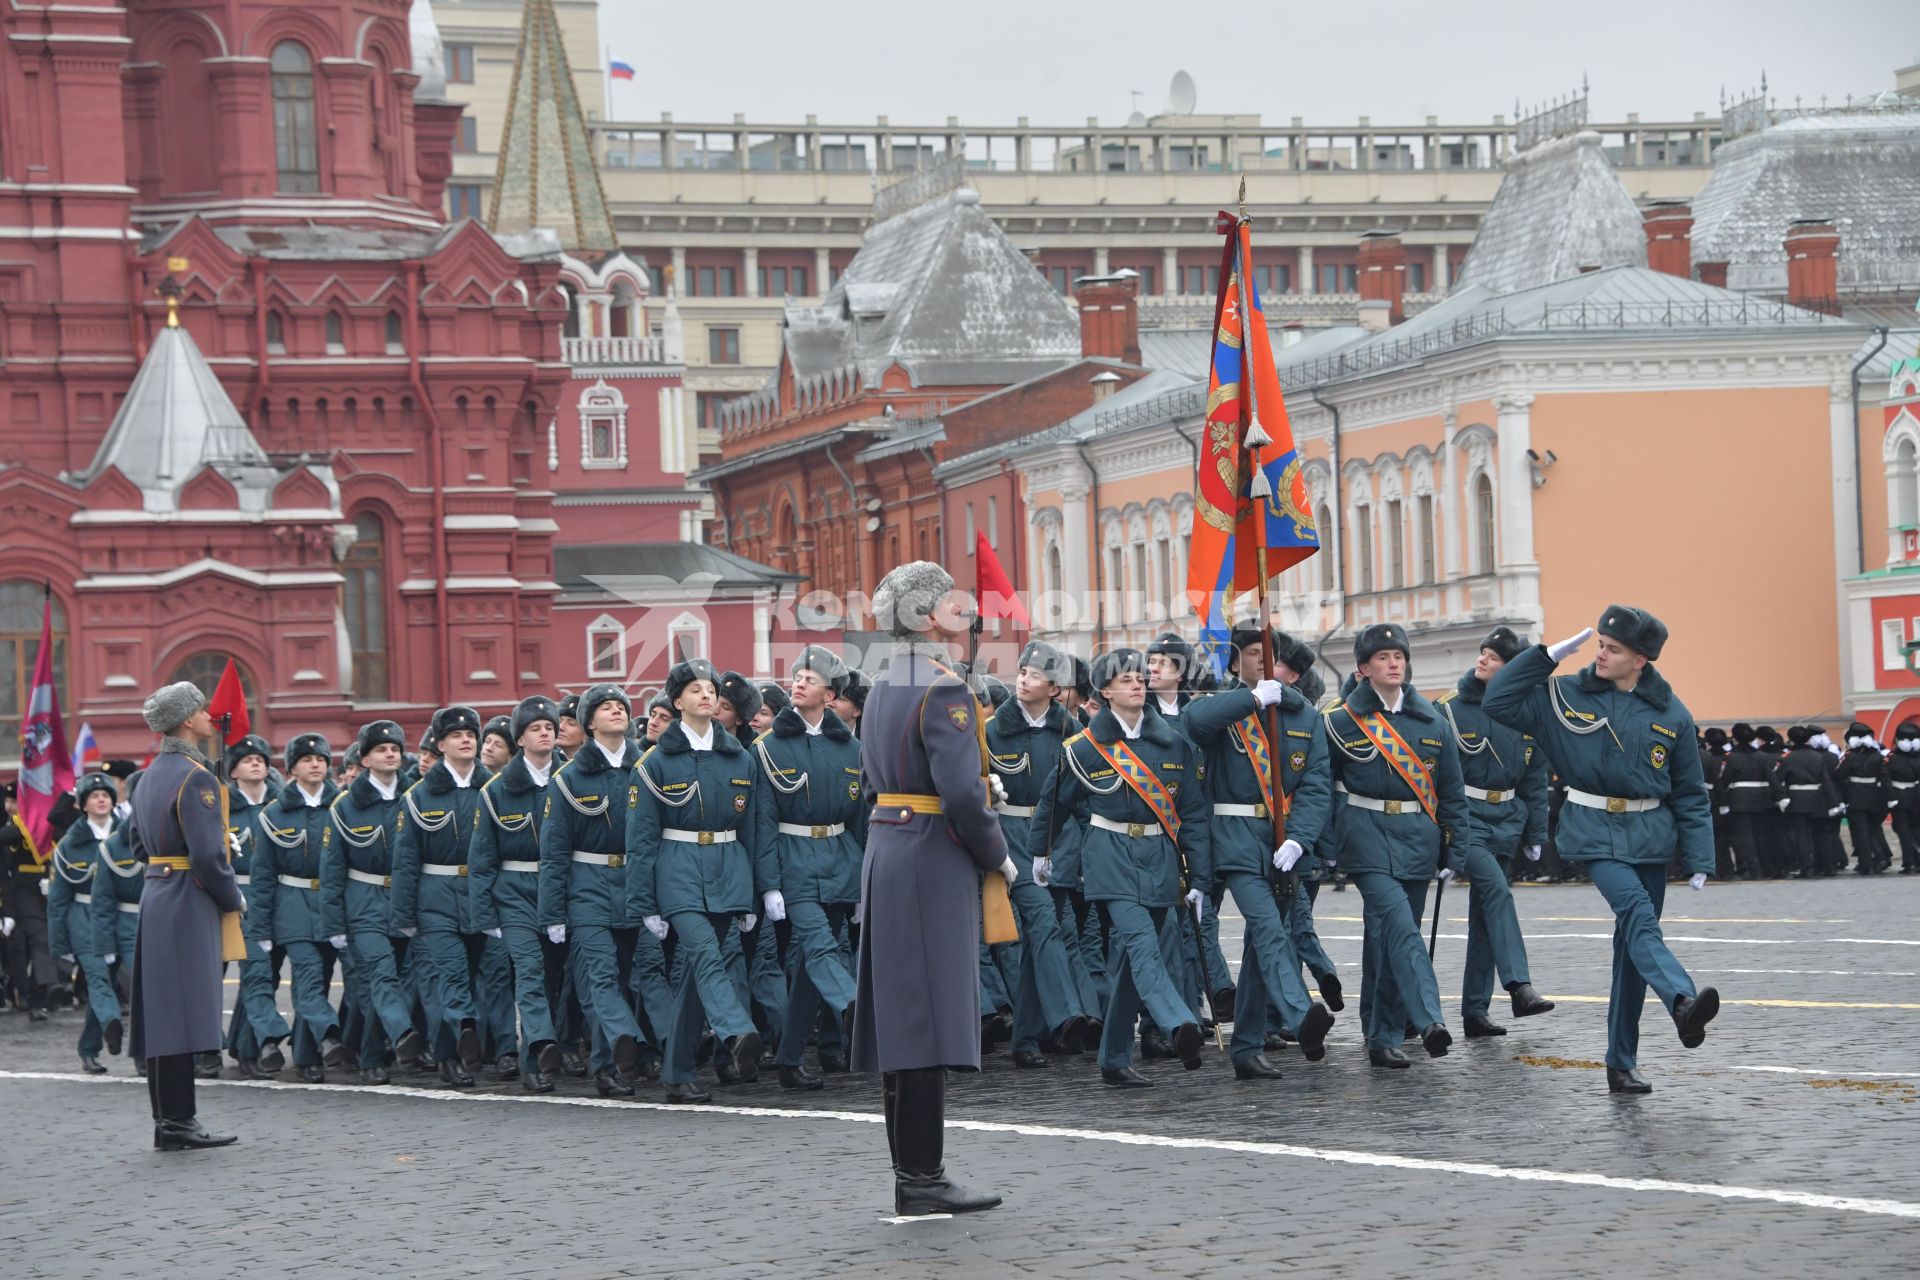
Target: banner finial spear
<point>1243,197</point>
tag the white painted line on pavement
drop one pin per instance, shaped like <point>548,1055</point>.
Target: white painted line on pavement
<point>913,1218</point>
<point>1835,973</point>
<point>1328,1155</point>
<point>1833,1074</point>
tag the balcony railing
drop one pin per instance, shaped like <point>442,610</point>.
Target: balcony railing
<point>580,352</point>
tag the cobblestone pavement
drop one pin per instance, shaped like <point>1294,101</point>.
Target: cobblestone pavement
<point>1785,1146</point>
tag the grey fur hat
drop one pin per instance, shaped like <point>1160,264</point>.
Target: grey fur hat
<point>903,603</point>
<point>167,709</point>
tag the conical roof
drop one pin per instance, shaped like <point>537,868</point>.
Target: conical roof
<point>547,176</point>
<point>1560,210</point>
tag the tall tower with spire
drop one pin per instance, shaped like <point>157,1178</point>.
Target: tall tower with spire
<point>547,176</point>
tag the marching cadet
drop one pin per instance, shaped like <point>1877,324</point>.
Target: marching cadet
<point>1862,776</point>
<point>741,707</point>
<point>812,834</point>
<point>850,701</point>
<point>1024,742</point>
<point>659,716</point>
<point>428,904</point>
<point>1746,800</point>
<point>1169,659</point>
<point>71,935</point>
<point>1833,854</point>
<point>1396,771</point>
<point>1903,775</point>
<point>285,902</point>
<point>572,735</point>
<point>356,875</point>
<point>585,869</point>
<point>29,960</point>
<point>496,744</point>
<point>695,796</point>
<point>503,883</point>
<point>773,700</point>
<point>1623,742</point>
<point>737,705</point>
<point>1249,773</point>
<point>119,878</point>
<point>1713,768</point>
<point>1505,777</point>
<point>256,1028</point>
<point>1139,787</point>
<point>1805,793</point>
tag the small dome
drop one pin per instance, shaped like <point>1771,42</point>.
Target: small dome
<point>429,55</point>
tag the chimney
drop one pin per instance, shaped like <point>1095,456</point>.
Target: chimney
<point>1383,272</point>
<point>1813,267</point>
<point>1109,316</point>
<point>1376,314</point>
<point>1104,385</point>
<point>1669,228</point>
<point>1714,273</point>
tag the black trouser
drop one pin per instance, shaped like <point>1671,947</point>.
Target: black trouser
<point>170,1087</point>
<point>916,1107</point>
<point>1802,847</point>
<point>1870,850</point>
<point>1906,826</point>
<point>28,960</point>
<point>1745,833</point>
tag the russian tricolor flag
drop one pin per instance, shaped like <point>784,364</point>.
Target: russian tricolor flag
<point>620,70</point>
<point>86,753</point>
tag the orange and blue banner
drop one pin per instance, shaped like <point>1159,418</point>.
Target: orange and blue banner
<point>1230,526</point>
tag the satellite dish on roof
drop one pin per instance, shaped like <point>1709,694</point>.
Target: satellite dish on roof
<point>1136,121</point>
<point>1181,94</point>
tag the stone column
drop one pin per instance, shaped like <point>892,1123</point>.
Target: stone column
<point>681,285</point>
<point>1100,261</point>
<point>752,269</point>
<point>1305,275</point>
<point>1440,279</point>
<point>1450,507</point>
<point>1169,272</point>
<point>1513,495</point>
<point>822,272</point>
<point>1076,549</point>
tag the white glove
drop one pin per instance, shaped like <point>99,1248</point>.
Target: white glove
<point>6,928</point>
<point>656,926</point>
<point>43,888</point>
<point>996,790</point>
<point>243,902</point>
<point>776,904</point>
<point>1698,880</point>
<point>556,934</point>
<point>1892,805</point>
<point>1288,855</point>
<point>1198,901</point>
<point>1446,874</point>
<point>338,942</point>
<point>408,933</point>
<point>747,922</point>
<point>1724,810</point>
<point>1567,646</point>
<point>233,843</point>
<point>109,959</point>
<point>860,911</point>
<point>1782,803</point>
<point>1837,810</point>
<point>69,957</point>
<point>266,948</point>
<point>1009,870</point>
<point>1269,692</point>
<point>491,933</point>
<point>1043,871</point>
<point>1533,853</point>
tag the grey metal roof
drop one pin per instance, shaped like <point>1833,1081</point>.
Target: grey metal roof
<point>906,441</point>
<point>1560,207</point>
<point>429,53</point>
<point>176,421</point>
<point>1859,169</point>
<point>618,566</point>
<point>314,240</point>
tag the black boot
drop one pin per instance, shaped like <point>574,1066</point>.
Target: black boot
<point>314,1074</point>
<point>1313,1032</point>
<point>687,1093</point>
<point>206,1066</point>
<point>1527,1002</point>
<point>411,1045</point>
<point>1628,1081</point>
<point>799,1078</point>
<point>1153,1044</point>
<point>1255,1068</point>
<point>626,1057</point>
<point>549,1060</point>
<point>250,1070</point>
<point>535,1081</point>
<point>1436,1039</point>
<point>1388,1057</point>
<point>1186,1043</point>
<point>188,1135</point>
<point>1479,1025</point>
<point>831,1061</point>
<point>1124,1078</point>
<point>611,1085</point>
<point>455,1074</point>
<point>272,1060</point>
<point>1692,1016</point>
<point>375,1075</point>
<point>91,1065</point>
<point>113,1032</point>
<point>1072,1036</point>
<point>506,1067</point>
<point>1221,1002</point>
<point>1029,1060</point>
<point>469,1045</point>
<point>1329,984</point>
<point>572,1063</point>
<point>920,1183</point>
<point>332,1052</point>
<point>746,1056</point>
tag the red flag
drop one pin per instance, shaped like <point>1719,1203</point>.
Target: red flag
<point>991,584</point>
<point>46,765</point>
<point>229,705</point>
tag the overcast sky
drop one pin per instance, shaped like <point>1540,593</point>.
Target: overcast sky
<point>1056,62</point>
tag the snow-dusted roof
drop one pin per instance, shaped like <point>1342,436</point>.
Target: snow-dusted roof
<point>1560,209</point>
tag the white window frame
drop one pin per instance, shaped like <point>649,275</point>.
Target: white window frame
<point>602,627</point>
<point>601,403</point>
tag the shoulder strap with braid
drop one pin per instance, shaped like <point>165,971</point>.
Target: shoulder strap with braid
<point>513,822</point>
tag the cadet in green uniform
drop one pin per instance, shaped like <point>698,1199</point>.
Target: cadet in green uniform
<point>1506,786</point>
<point>256,1027</point>
<point>1402,819</point>
<point>504,881</point>
<point>429,903</point>
<point>692,822</point>
<point>284,905</point>
<point>71,935</point>
<point>118,880</point>
<point>1140,790</point>
<point>356,877</point>
<point>1244,765</point>
<point>1624,744</point>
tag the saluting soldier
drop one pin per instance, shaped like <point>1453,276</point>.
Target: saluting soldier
<point>1140,789</point>
<point>286,900</point>
<point>1402,820</point>
<point>504,883</point>
<point>1248,774</point>
<point>1506,784</point>
<point>1903,776</point>
<point>256,1028</point>
<point>692,826</point>
<point>812,830</point>
<point>429,904</point>
<point>1622,740</point>
<point>177,828</point>
<point>356,877</point>
<point>70,921</point>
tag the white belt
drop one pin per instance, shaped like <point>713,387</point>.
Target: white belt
<point>1027,810</point>
<point>1814,786</point>
<point>84,899</point>
<point>1618,804</point>
<point>131,908</point>
<point>1382,806</point>
<point>1240,811</point>
<point>814,833</point>
<point>240,879</point>
<point>1138,830</point>
<point>600,859</point>
<point>1491,797</point>
<point>1732,785</point>
<point>1902,786</point>
<point>443,868</point>
<point>525,868</point>
<point>699,837</point>
<point>367,877</point>
<point>298,882</point>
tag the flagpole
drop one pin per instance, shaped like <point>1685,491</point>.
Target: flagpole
<point>1260,489</point>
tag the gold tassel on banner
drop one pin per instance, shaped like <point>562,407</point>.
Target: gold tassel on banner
<point>996,910</point>
<point>233,943</point>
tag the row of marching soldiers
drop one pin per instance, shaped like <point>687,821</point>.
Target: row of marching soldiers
<point>1779,804</point>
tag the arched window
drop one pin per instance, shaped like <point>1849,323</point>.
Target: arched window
<point>336,334</point>
<point>570,327</point>
<point>1363,549</point>
<point>1483,516</point>
<point>606,648</point>
<point>1323,525</point>
<point>1424,531</point>
<point>365,604</point>
<point>20,606</point>
<point>1395,535</point>
<point>396,344</point>
<point>1905,498</point>
<point>276,333</point>
<point>1056,571</point>
<point>296,148</point>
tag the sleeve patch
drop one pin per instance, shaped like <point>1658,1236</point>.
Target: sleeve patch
<point>960,716</point>
<point>1662,729</point>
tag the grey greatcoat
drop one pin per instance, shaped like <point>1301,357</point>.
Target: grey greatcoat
<point>918,1002</point>
<point>177,1002</point>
